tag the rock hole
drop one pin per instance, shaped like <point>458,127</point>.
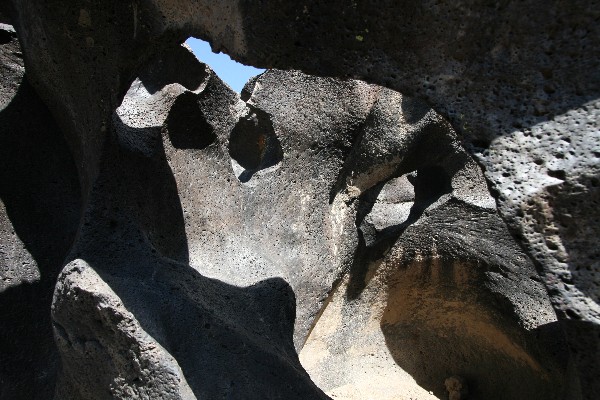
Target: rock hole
<point>186,126</point>
<point>558,174</point>
<point>7,33</point>
<point>253,144</point>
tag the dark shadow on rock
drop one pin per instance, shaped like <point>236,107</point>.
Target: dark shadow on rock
<point>254,145</point>
<point>413,109</point>
<point>585,354</point>
<point>138,187</point>
<point>156,75</point>
<point>430,183</point>
<point>574,208</point>
<point>186,126</point>
<point>6,36</point>
<point>445,315</point>
<point>483,354</point>
<point>6,10</point>
<point>249,88</point>
<point>230,342</point>
<point>40,190</point>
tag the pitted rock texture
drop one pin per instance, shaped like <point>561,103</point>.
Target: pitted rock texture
<point>40,205</point>
<point>211,272</point>
<point>213,267</point>
<point>518,82</point>
<point>130,363</point>
<point>438,286</point>
<point>498,71</point>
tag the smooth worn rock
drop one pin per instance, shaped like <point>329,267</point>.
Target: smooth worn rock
<point>503,74</point>
<point>241,222</point>
<point>129,362</point>
<point>181,247</point>
<point>519,83</point>
<point>438,286</point>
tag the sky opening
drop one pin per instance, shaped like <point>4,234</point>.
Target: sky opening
<point>231,72</point>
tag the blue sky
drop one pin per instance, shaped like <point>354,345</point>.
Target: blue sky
<point>232,72</point>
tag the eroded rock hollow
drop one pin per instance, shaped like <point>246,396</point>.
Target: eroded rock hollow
<point>427,229</point>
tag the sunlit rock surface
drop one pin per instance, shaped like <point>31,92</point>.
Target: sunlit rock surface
<point>518,83</point>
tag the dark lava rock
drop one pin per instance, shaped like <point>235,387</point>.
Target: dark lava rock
<point>519,83</point>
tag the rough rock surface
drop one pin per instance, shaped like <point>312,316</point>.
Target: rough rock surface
<point>519,83</point>
<point>39,214</point>
<point>507,75</point>
<point>438,286</point>
<point>209,254</point>
<point>128,362</point>
<point>182,245</point>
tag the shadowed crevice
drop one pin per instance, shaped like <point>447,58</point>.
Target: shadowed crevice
<point>253,144</point>
<point>40,192</point>
<point>186,126</point>
<point>430,184</point>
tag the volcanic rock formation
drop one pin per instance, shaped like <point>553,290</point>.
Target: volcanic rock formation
<point>205,240</point>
